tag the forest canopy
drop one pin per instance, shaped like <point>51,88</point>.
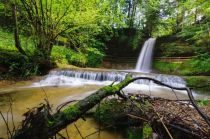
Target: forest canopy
<point>78,31</point>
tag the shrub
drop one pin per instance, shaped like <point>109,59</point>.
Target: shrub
<point>166,67</point>
<point>88,56</point>
<point>17,65</point>
<point>197,66</point>
<point>94,57</point>
<point>176,49</point>
<point>197,81</point>
<point>77,59</point>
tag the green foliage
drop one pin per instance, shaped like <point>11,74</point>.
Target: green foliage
<point>144,132</point>
<point>195,66</point>
<point>94,57</point>
<point>88,57</point>
<point>200,83</point>
<point>77,59</point>
<point>7,42</point>
<point>71,111</point>
<point>198,36</point>
<point>17,65</point>
<point>175,49</point>
<point>203,102</point>
<point>166,67</point>
<point>22,66</point>
<point>109,111</point>
<point>59,54</point>
<point>147,131</point>
<point>134,133</point>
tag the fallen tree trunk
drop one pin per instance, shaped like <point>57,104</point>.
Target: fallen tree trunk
<point>39,123</point>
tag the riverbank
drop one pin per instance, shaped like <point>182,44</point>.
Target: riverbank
<point>31,97</point>
<point>194,71</point>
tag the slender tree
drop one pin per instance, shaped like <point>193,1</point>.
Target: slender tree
<point>16,29</point>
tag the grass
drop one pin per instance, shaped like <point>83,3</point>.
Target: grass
<point>59,53</point>
<point>11,61</point>
<point>196,66</point>
<point>188,70</point>
<point>7,42</point>
<point>167,67</point>
<point>200,83</point>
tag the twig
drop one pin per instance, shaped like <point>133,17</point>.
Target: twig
<point>12,116</point>
<point>175,94</point>
<point>67,133</point>
<point>161,120</point>
<point>137,117</point>
<point>6,124</point>
<point>189,92</point>
<point>78,131</point>
<point>45,93</point>
<point>98,131</point>
<point>60,136</point>
<point>7,121</point>
<point>99,117</point>
<point>184,130</point>
<point>64,104</point>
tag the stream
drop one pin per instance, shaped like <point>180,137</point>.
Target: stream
<point>60,86</point>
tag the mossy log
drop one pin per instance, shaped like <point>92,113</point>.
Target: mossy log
<point>52,124</point>
<point>40,124</point>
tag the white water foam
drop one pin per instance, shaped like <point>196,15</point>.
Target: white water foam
<point>145,57</point>
<point>73,78</point>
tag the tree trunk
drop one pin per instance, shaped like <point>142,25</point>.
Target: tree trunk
<point>16,30</point>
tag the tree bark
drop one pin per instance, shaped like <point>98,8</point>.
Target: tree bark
<point>16,30</point>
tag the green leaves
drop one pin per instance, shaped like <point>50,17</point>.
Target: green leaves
<point>203,102</point>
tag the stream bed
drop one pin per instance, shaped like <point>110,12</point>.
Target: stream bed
<point>59,89</point>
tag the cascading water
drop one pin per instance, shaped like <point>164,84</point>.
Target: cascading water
<point>145,58</point>
<point>73,77</point>
<point>82,77</point>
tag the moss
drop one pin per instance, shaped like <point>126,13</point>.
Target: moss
<point>50,123</point>
<point>134,133</point>
<point>143,131</point>
<point>94,98</point>
<point>147,131</point>
<point>110,112</point>
<point>107,88</point>
<point>71,111</point>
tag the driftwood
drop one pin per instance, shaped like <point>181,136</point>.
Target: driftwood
<point>40,123</point>
<point>169,118</point>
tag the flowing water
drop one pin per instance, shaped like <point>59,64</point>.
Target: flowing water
<point>27,97</point>
<point>64,85</point>
<point>145,57</point>
<point>60,86</point>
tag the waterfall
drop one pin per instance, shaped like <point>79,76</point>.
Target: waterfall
<point>145,58</point>
<point>81,77</point>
